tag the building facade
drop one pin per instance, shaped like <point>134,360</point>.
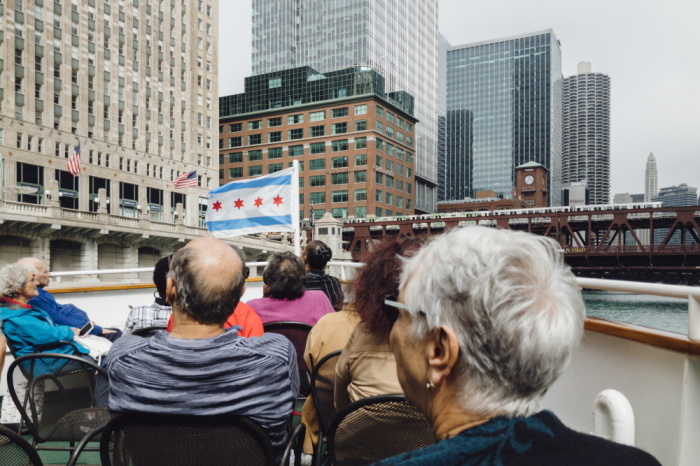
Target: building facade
<point>355,143</point>
<point>503,110</point>
<point>651,179</point>
<point>586,132</point>
<point>398,38</point>
<point>135,84</point>
<point>674,196</point>
<point>532,184</point>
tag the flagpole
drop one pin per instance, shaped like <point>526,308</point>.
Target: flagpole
<point>295,208</point>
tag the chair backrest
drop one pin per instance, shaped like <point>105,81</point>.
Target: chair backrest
<point>60,396</point>
<point>148,439</point>
<point>15,451</point>
<point>147,332</point>
<point>323,389</point>
<point>297,333</point>
<point>375,428</point>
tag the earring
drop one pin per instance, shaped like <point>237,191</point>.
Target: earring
<point>430,385</point>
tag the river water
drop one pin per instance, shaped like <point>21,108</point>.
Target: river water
<point>657,312</point>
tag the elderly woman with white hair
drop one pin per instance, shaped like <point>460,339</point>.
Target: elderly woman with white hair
<point>26,327</point>
<point>485,322</point>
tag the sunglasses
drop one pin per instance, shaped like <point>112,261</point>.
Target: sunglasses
<point>391,307</point>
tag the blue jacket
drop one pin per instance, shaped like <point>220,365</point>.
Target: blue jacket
<point>62,314</point>
<point>26,328</point>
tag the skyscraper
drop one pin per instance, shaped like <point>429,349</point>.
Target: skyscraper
<point>398,38</point>
<point>651,179</point>
<point>586,132</point>
<point>503,110</point>
<point>135,82</point>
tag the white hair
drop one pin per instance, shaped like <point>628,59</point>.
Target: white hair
<point>514,305</point>
<point>12,279</point>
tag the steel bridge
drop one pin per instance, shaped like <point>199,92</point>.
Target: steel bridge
<point>648,244</point>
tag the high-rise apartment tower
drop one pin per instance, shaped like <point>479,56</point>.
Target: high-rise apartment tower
<point>586,132</point>
<point>398,38</point>
<point>651,179</point>
<point>503,110</point>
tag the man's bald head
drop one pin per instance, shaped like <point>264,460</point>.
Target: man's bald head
<point>41,271</point>
<point>206,280</point>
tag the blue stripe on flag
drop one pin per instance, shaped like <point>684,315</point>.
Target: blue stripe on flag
<point>236,224</point>
<point>255,183</point>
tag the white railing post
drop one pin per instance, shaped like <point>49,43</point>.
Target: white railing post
<point>613,418</point>
<point>694,318</point>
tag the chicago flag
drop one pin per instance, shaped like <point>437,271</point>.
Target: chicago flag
<point>255,205</point>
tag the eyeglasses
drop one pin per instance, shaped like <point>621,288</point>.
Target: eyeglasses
<point>391,308</point>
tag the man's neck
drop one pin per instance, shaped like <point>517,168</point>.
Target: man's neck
<point>188,329</point>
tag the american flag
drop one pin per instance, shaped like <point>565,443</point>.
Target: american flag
<point>74,161</point>
<point>186,180</point>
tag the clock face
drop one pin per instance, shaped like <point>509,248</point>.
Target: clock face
<point>529,179</point>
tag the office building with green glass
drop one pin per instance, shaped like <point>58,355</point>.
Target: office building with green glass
<point>504,109</point>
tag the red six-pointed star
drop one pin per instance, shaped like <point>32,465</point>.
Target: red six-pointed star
<point>238,203</point>
<point>258,202</point>
<point>216,206</point>
<point>277,200</point>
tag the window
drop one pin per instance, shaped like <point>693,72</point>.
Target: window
<point>340,162</point>
<point>274,153</point>
<point>317,198</point>
<point>339,128</point>
<point>235,141</point>
<point>274,167</point>
<point>360,143</point>
<point>399,137</point>
<point>361,177</point>
<point>317,180</point>
<point>361,194</point>
<point>317,147</point>
<point>339,178</point>
<point>409,141</point>
<point>296,151</point>
<point>274,82</point>
<point>295,119</point>
<point>399,122</point>
<point>236,172</point>
<point>378,211</point>
<point>274,136</point>
<point>379,195</point>
<point>317,116</point>
<point>380,111</point>
<point>361,125</point>
<point>340,112</point>
<point>390,132</point>
<point>339,145</point>
<point>379,126</point>
<point>254,139</point>
<point>409,129</point>
<point>340,212</point>
<point>254,155</point>
<point>399,169</point>
<point>390,165</point>
<point>360,159</point>
<point>379,178</point>
<point>379,144</point>
<point>255,170</point>
<point>399,185</point>
<point>389,117</point>
<point>297,133</point>
<point>389,182</point>
<point>361,109</point>
<point>378,161</point>
<point>408,190</point>
<point>272,122</point>
<point>317,131</point>
<point>340,196</point>
<point>360,211</point>
<point>317,164</point>
<point>235,127</point>
<point>257,124</point>
<point>408,172</point>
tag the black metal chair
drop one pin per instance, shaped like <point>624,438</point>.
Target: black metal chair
<point>375,428</point>
<point>147,332</point>
<point>15,451</point>
<point>323,395</point>
<point>297,333</point>
<point>134,439</point>
<point>60,397</point>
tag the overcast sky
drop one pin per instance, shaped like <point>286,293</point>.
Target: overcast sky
<point>649,48</point>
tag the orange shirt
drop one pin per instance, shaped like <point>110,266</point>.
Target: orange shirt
<point>242,315</point>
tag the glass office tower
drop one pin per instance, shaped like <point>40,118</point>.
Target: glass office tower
<point>503,110</point>
<point>398,38</point>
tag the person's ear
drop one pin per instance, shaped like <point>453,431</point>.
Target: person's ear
<point>170,290</point>
<point>443,353</point>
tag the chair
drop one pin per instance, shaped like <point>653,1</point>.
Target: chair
<point>375,428</point>
<point>15,451</point>
<point>147,332</point>
<point>134,439</point>
<point>60,397</point>
<point>296,332</point>
<point>323,394</point>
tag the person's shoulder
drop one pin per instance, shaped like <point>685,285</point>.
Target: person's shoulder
<point>126,344</point>
<point>243,307</point>
<point>315,295</point>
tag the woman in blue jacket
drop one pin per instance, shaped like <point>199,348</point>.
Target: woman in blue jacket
<point>27,327</point>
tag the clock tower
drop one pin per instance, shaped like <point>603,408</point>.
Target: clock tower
<point>532,184</point>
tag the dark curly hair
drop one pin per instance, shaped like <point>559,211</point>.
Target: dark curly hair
<point>284,276</point>
<point>317,255</point>
<point>380,277</point>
